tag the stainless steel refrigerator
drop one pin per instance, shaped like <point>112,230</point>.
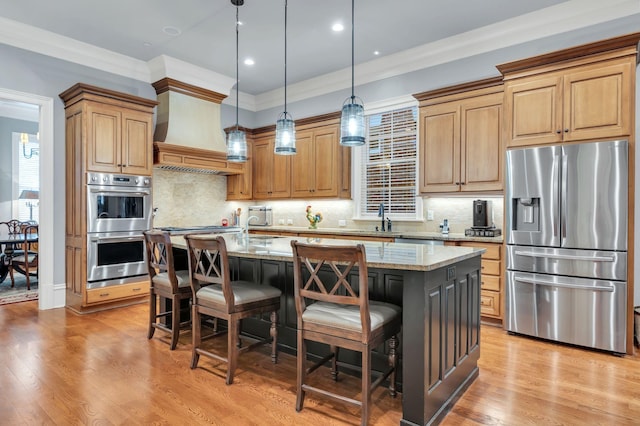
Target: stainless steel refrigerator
<point>566,233</point>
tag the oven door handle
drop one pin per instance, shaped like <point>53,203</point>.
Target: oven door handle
<point>116,239</point>
<point>116,192</point>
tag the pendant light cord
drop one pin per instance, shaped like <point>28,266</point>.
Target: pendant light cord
<point>285,59</point>
<point>353,79</point>
<point>237,61</point>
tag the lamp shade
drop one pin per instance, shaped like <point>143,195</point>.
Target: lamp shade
<point>28,194</point>
<point>236,146</point>
<point>285,135</point>
<point>352,128</point>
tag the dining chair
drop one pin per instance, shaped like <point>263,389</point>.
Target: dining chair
<point>165,284</point>
<point>216,296</point>
<point>24,258</point>
<point>332,305</point>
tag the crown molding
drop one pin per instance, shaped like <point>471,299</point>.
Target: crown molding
<point>564,17</point>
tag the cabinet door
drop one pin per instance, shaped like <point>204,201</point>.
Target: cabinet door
<point>103,138</point>
<point>533,110</point>
<point>281,177</point>
<point>137,143</point>
<point>481,147</point>
<point>262,167</point>
<point>302,166</point>
<point>440,148</point>
<point>326,162</point>
<point>345,172</point>
<point>240,187</point>
<point>597,102</point>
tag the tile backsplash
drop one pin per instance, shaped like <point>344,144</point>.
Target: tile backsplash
<point>185,199</point>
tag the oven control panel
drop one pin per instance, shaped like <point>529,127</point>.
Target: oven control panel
<point>110,179</point>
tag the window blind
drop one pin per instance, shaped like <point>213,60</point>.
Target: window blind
<point>389,164</point>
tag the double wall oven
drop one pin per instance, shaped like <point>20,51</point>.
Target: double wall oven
<point>119,209</point>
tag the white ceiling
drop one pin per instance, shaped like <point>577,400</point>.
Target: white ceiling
<point>134,28</point>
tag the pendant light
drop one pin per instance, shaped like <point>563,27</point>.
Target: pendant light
<point>285,127</point>
<point>352,120</point>
<point>237,139</point>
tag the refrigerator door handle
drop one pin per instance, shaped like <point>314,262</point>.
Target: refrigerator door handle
<point>555,197</point>
<point>564,285</point>
<point>565,256</point>
<point>563,197</point>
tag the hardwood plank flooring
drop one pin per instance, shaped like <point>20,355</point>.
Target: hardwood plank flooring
<point>57,367</point>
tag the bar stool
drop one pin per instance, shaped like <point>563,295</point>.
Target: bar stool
<point>165,282</point>
<point>216,296</point>
<point>331,309</point>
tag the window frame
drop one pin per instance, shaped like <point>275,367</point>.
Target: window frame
<point>388,105</point>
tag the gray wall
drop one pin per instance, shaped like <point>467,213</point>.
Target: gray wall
<point>33,73</point>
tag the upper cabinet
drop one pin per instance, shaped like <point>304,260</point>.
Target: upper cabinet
<point>239,186</point>
<point>461,147</point>
<point>316,167</point>
<point>271,172</point>
<point>582,93</point>
<point>117,130</point>
<point>321,168</point>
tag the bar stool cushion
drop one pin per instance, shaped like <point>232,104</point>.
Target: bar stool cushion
<point>243,292</point>
<point>348,316</point>
<point>163,279</point>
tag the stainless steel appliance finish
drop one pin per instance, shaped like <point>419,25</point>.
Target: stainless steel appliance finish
<point>264,215</point>
<point>114,257</point>
<point>118,203</point>
<point>566,217</point>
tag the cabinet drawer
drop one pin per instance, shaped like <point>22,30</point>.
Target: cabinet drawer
<point>493,250</point>
<point>490,303</point>
<point>490,282</point>
<point>123,291</point>
<point>490,267</point>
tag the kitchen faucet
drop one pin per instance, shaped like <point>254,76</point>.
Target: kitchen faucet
<point>246,228</point>
<point>381,214</point>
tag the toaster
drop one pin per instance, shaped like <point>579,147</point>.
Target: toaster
<point>264,215</point>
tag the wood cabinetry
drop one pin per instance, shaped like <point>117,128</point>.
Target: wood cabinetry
<point>240,186</point>
<point>118,139</point>
<point>321,168</point>
<point>491,278</point>
<point>584,93</point>
<point>461,147</point>
<point>107,132</point>
<point>271,172</point>
<point>316,166</point>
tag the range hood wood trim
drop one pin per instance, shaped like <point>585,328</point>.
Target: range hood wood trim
<point>169,84</point>
<point>179,156</point>
<point>316,120</point>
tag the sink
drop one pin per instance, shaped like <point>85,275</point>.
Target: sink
<point>263,237</point>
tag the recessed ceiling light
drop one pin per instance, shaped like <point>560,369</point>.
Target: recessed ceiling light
<point>249,61</point>
<point>240,23</point>
<point>172,31</point>
<point>337,27</point>
<point>376,52</point>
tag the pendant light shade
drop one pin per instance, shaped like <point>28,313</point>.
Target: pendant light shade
<point>236,139</point>
<point>352,126</point>
<point>285,126</point>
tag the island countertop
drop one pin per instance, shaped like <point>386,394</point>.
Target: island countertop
<point>387,255</point>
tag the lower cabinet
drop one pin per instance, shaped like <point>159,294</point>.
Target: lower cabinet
<point>117,292</point>
<point>491,295</point>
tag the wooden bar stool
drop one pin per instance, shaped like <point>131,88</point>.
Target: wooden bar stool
<point>331,309</point>
<point>165,282</point>
<point>216,296</point>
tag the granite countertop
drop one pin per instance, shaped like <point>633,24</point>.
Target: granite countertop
<point>385,255</point>
<point>368,233</point>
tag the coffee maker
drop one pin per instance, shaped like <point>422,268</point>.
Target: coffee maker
<point>482,214</point>
<point>483,225</point>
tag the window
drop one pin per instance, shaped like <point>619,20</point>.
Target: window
<point>387,165</point>
<point>26,179</point>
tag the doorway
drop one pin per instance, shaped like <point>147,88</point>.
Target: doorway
<point>50,294</point>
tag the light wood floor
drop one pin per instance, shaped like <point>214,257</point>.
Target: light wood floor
<point>60,368</point>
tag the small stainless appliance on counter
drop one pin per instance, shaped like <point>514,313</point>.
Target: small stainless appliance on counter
<point>483,225</point>
<point>264,215</point>
<point>566,240</point>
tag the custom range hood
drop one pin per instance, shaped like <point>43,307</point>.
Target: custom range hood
<point>188,136</point>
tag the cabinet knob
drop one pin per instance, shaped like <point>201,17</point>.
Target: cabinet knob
<point>457,183</point>
<point>558,131</point>
<point>463,183</point>
<point>566,130</point>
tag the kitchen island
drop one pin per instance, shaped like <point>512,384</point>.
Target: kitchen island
<point>438,288</point>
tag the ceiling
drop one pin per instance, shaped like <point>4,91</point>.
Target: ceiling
<point>207,30</point>
<point>151,39</point>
